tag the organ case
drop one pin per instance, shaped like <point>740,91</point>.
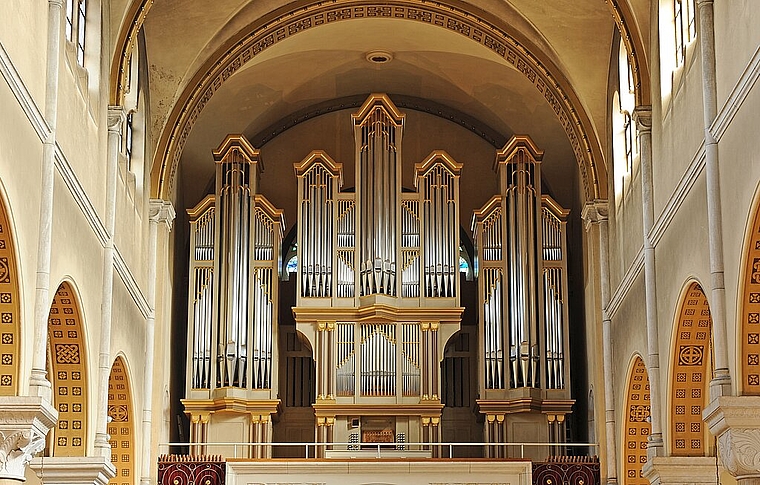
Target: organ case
<point>235,241</point>
<point>520,238</point>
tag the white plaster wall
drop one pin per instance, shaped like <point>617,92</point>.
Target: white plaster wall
<point>739,151</point>
<point>23,30</point>
<point>737,39</point>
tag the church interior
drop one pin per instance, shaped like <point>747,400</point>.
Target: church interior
<point>397,241</point>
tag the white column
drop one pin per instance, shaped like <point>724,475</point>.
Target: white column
<point>596,213</point>
<point>161,213</point>
<point>721,381</point>
<point>39,385</point>
<point>116,119</point>
<point>642,115</point>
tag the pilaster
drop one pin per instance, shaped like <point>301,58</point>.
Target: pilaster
<point>642,116</point>
<point>596,213</point>
<point>24,423</point>
<point>161,218</point>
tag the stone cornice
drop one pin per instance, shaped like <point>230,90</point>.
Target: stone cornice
<point>24,423</point>
<point>162,211</point>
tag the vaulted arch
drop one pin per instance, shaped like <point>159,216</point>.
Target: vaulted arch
<point>691,364</point>
<point>531,62</point>
<point>9,308</point>
<point>68,373</point>
<point>637,423</point>
<point>750,310</point>
<point>122,425</point>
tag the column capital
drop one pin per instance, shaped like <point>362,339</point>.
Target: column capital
<point>594,212</point>
<point>117,117</point>
<point>735,421</point>
<point>24,423</point>
<point>162,211</point>
<point>642,116</point>
<point>704,3</point>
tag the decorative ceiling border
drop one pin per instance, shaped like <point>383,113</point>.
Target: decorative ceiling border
<point>227,61</point>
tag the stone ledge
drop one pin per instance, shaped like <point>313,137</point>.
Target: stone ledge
<point>73,470</point>
<point>677,470</point>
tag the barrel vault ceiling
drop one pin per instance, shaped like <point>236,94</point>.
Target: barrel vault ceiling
<point>431,65</point>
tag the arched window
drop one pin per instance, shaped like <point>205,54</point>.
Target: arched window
<point>685,27</point>
<point>76,23</point>
<point>625,144</point>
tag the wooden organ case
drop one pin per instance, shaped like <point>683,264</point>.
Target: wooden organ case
<point>378,298</point>
<point>235,241</point>
<point>378,285</point>
<point>520,238</point>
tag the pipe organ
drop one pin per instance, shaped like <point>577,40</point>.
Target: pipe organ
<point>235,239</point>
<point>378,283</point>
<point>377,297</point>
<point>521,248</point>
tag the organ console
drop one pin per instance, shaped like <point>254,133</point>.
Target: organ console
<point>378,295</point>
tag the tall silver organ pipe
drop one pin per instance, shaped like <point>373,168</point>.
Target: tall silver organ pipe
<point>200,311</point>
<point>437,180</point>
<point>319,179</point>
<point>378,127</point>
<point>235,241</point>
<point>346,252</point>
<point>553,218</point>
<point>520,173</point>
<point>520,240</point>
<point>235,185</point>
<point>410,246</point>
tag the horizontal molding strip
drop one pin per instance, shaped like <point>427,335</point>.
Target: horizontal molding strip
<point>738,96</point>
<point>633,271</point>
<point>679,194</point>
<point>62,165</point>
<point>122,268</point>
<point>24,98</point>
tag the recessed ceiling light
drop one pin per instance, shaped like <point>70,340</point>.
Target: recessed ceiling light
<point>379,57</point>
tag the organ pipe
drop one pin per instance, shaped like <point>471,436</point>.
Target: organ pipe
<point>200,309</point>
<point>520,239</point>
<point>378,128</point>
<point>321,226</point>
<point>437,180</point>
<point>235,242</point>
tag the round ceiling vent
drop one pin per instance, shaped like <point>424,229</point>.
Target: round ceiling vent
<point>379,57</point>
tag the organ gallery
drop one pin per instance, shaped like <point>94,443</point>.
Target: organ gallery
<point>377,302</point>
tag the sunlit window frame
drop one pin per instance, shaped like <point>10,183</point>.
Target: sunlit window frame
<point>76,23</point>
<point>685,27</point>
<point>128,138</point>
